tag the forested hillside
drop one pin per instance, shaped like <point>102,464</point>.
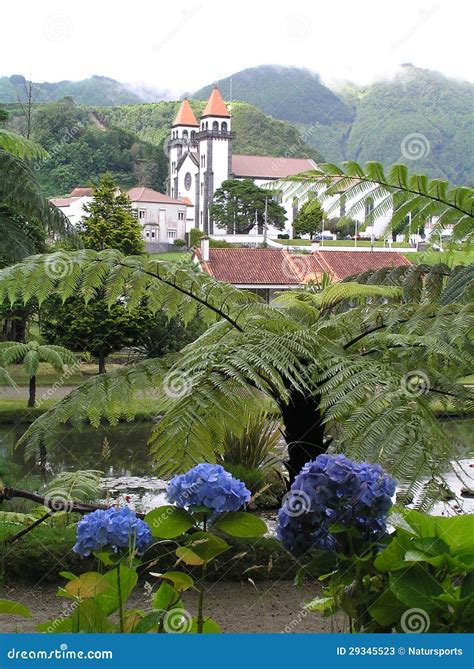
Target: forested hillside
<point>129,141</point>
<point>372,123</point>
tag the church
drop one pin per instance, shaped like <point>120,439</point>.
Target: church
<point>201,159</point>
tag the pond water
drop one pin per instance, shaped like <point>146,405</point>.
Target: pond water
<point>122,453</point>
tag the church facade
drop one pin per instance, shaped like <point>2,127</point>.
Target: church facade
<point>201,158</point>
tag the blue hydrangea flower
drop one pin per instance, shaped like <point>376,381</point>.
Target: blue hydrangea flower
<point>114,527</point>
<point>334,490</point>
<point>208,485</point>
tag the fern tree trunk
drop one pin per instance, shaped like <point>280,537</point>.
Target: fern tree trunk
<point>32,397</point>
<point>304,431</point>
<point>101,360</point>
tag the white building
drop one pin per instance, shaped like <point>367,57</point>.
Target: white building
<point>162,217</point>
<point>73,205</point>
<point>201,159</point>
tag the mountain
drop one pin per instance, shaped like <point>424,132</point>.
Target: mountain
<point>288,93</point>
<point>93,91</point>
<point>129,141</point>
<point>256,132</point>
<point>418,117</point>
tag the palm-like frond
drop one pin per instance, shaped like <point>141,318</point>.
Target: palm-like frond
<point>20,146</point>
<point>20,193</point>
<point>81,486</point>
<point>32,353</point>
<point>397,193</point>
<point>354,347</point>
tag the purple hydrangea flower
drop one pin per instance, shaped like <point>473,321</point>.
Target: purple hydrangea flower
<point>117,528</point>
<point>208,485</point>
<point>333,490</point>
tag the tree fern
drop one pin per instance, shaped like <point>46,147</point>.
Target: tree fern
<point>341,357</point>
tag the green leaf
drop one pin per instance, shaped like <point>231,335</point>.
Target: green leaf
<point>386,609</point>
<point>87,585</point>
<point>165,597</point>
<point>467,586</point>
<point>323,604</point>
<point>108,599</point>
<point>203,547</point>
<point>12,608</point>
<point>180,581</point>
<point>169,522</point>
<point>149,622</point>
<point>415,587</point>
<point>209,626</point>
<point>240,524</point>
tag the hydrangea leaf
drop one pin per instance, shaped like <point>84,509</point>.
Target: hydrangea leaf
<point>86,585</point>
<point>14,608</point>
<point>209,627</point>
<point>169,522</point>
<point>240,524</point>
<point>202,548</point>
<point>180,581</point>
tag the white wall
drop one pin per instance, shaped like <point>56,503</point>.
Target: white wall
<point>162,220</point>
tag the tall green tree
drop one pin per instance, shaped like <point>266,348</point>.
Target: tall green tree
<point>97,327</point>
<point>309,219</point>
<point>240,205</point>
<point>110,222</point>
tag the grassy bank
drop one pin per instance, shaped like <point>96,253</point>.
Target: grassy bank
<point>13,412</point>
<point>45,551</point>
<point>341,242</point>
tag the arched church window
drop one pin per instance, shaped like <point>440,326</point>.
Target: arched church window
<point>193,134</point>
<point>215,126</point>
<point>207,125</point>
<point>185,134</point>
<point>224,126</point>
<point>188,180</point>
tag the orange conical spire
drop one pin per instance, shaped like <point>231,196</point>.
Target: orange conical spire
<point>216,105</point>
<point>185,115</point>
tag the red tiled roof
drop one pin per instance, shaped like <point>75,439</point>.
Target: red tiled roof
<point>81,192</point>
<point>216,105</point>
<point>142,194</point>
<point>186,201</point>
<point>63,201</point>
<point>270,167</point>
<point>272,267</point>
<point>185,115</point>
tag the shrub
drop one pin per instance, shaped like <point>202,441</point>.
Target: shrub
<point>179,243</point>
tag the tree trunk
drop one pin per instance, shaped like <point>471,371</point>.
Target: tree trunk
<point>32,397</point>
<point>304,431</point>
<point>102,369</point>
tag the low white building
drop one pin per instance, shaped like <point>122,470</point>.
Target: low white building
<point>163,218</point>
<point>73,205</point>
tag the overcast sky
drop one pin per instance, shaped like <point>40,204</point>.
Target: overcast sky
<point>181,45</point>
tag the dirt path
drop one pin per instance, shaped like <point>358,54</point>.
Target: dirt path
<point>237,607</point>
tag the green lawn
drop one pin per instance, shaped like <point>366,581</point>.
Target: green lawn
<point>451,258</point>
<point>47,376</point>
<point>341,242</point>
<point>171,256</point>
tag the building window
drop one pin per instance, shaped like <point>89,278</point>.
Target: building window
<point>172,234</point>
<point>224,126</point>
<point>180,215</point>
<point>188,181</point>
<point>185,134</point>
<point>215,126</point>
<point>193,134</point>
<point>202,188</point>
<point>141,214</point>
<point>153,234</point>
